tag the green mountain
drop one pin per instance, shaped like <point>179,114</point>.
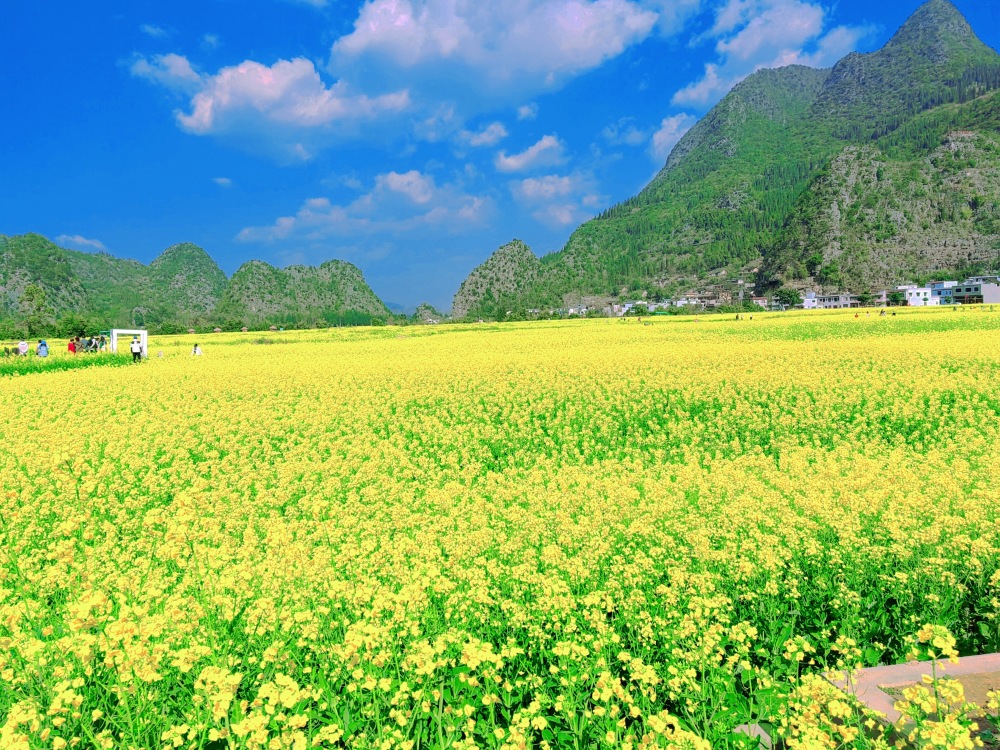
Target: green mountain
<point>911,205</point>
<point>755,162</point>
<point>427,313</point>
<point>182,287</point>
<point>501,281</point>
<point>332,293</point>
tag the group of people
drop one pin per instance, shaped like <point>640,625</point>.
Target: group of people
<point>79,344</point>
<point>22,349</point>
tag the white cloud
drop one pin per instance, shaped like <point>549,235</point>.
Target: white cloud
<point>398,203</point>
<point>441,62</point>
<point>172,71</point>
<point>558,200</point>
<point>290,91</point>
<point>488,136</point>
<point>286,105</point>
<point>559,214</point>
<point>755,34</point>
<point>80,241</point>
<point>157,32</point>
<point>624,132</point>
<point>545,188</point>
<point>418,187</point>
<point>488,51</point>
<point>674,14</point>
<point>527,111</point>
<point>671,130</point>
<point>222,181</point>
<point>547,152</point>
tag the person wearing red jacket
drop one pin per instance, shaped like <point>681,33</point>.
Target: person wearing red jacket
<point>72,346</point>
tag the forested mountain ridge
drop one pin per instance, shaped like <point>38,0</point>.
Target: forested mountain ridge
<point>733,182</point>
<point>910,205</point>
<point>47,288</point>
<point>498,282</point>
<point>332,293</point>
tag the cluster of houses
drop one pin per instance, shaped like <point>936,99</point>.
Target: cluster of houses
<point>976,290</point>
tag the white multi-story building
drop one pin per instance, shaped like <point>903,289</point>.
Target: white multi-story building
<point>836,301</point>
<point>809,301</point>
<point>976,292</point>
<point>918,296</point>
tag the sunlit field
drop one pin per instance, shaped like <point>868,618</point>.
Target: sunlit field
<point>571,534</point>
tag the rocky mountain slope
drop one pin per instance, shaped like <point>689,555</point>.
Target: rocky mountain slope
<point>502,279</point>
<point>334,292</point>
<point>730,186</point>
<point>182,287</point>
<point>879,213</point>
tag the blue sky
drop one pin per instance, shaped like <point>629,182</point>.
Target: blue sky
<point>410,137</point>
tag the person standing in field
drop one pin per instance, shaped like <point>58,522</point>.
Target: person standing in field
<point>196,352</point>
<point>136,348</point>
<point>42,350</point>
<point>22,348</point>
<point>71,346</point>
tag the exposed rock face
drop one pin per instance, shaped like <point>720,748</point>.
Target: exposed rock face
<point>506,274</point>
<point>872,219</point>
<point>259,292</point>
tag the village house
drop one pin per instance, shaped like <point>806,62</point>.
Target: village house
<point>917,296</point>
<point>977,291</point>
<point>943,291</point>
<point>836,301</point>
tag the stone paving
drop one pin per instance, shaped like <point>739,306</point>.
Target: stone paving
<point>978,675</point>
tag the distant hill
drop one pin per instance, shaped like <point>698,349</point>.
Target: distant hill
<point>760,159</point>
<point>332,293</point>
<point>182,287</point>
<point>502,280</point>
<point>427,313</point>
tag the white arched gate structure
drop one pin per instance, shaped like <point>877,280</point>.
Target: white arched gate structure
<point>126,334</point>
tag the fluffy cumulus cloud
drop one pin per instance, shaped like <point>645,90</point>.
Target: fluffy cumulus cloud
<point>173,71</point>
<point>399,202</point>
<point>754,34</point>
<point>558,200</point>
<point>547,152</point>
<point>671,130</point>
<point>441,62</point>
<point>78,240</point>
<point>286,104</point>
<point>489,51</point>
<point>490,135</point>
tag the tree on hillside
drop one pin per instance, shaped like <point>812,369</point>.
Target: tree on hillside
<point>788,297</point>
<point>34,307</point>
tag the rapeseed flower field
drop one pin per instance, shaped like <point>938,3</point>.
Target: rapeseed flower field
<point>575,534</point>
